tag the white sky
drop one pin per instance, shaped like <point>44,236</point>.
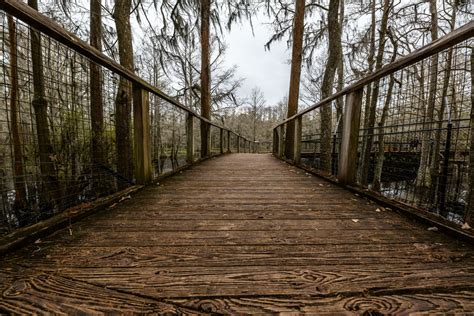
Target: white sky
<point>268,70</point>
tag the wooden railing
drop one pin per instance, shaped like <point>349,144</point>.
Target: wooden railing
<point>141,89</point>
<point>75,176</point>
<point>398,130</point>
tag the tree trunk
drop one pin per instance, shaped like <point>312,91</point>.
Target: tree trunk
<point>423,179</point>
<point>334,53</point>
<point>296,59</point>
<point>435,160</point>
<point>369,135</point>
<point>470,207</point>
<point>96,101</point>
<point>50,192</point>
<point>18,169</point>
<point>205,78</point>
<point>368,90</point>
<point>340,75</point>
<point>381,135</point>
<point>123,101</point>
<point>371,60</point>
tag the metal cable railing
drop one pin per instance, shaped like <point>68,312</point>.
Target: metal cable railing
<point>405,132</point>
<point>56,151</point>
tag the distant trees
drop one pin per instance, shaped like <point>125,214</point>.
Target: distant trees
<point>256,102</point>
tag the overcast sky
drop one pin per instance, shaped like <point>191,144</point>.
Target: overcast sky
<point>269,70</point>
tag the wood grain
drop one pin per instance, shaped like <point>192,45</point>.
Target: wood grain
<point>242,234</point>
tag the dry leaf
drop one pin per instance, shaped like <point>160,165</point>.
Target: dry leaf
<point>123,198</point>
<point>433,229</point>
<point>355,220</point>
<point>378,210</point>
<point>465,226</point>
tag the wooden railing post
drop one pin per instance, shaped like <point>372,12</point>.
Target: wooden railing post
<point>281,141</point>
<point>275,141</point>
<point>205,139</point>
<point>141,132</point>
<point>221,140</point>
<point>298,132</point>
<point>350,138</point>
<point>228,141</point>
<point>189,138</point>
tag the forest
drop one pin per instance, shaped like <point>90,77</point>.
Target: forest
<point>66,123</point>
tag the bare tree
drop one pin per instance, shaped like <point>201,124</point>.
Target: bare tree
<point>381,134</point>
<point>424,172</point>
<point>256,102</point>
<point>369,132</point>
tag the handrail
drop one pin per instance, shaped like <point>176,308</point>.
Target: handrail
<point>460,34</point>
<point>47,25</point>
<point>424,182</point>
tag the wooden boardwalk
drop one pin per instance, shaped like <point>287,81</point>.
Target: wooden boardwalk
<point>241,234</point>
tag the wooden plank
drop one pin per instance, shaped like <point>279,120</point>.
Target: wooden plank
<point>350,138</point>
<point>330,280</point>
<point>438,303</point>
<point>51,294</point>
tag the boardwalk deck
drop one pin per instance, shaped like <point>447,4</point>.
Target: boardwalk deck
<point>247,234</point>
